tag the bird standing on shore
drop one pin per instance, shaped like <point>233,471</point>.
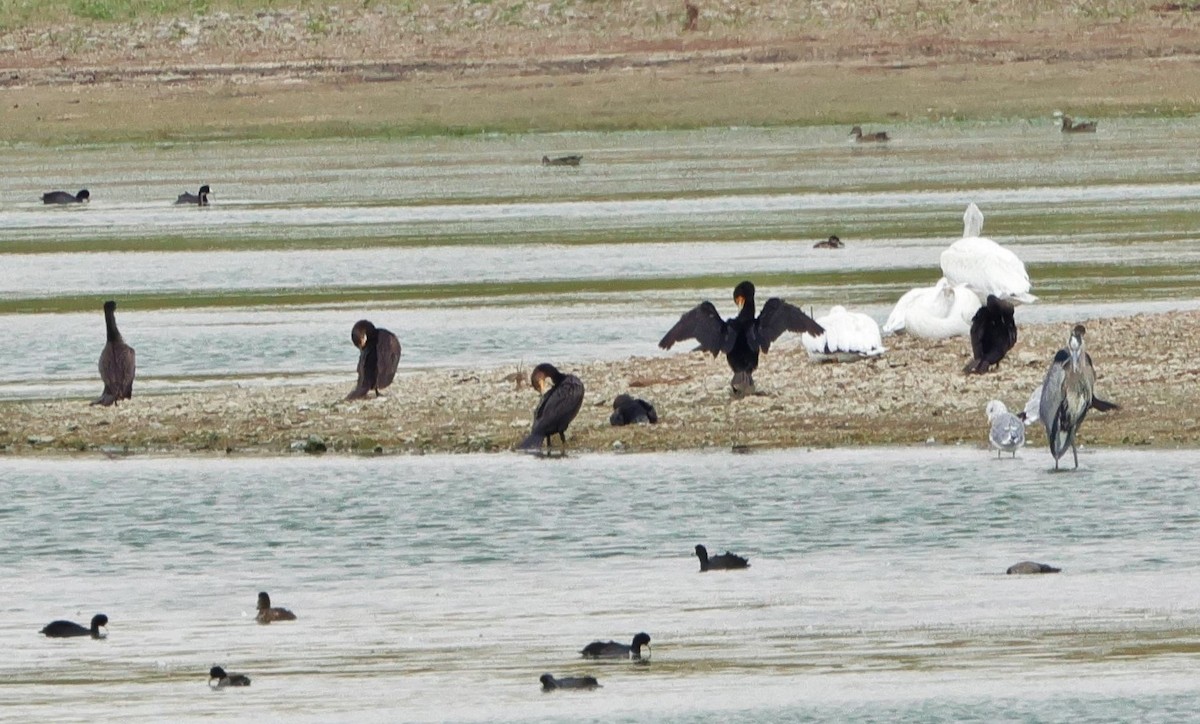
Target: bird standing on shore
<point>62,197</point>
<point>1067,395</point>
<point>1006,431</point>
<point>118,362</point>
<point>378,357</point>
<point>196,199</point>
<point>743,337</point>
<point>993,334</point>
<point>562,396</point>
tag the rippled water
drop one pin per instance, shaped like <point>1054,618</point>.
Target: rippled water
<point>478,256</point>
<point>440,588</point>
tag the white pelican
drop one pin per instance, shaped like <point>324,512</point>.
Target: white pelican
<point>938,312</point>
<point>1007,432</point>
<point>848,337</point>
<point>985,266</point>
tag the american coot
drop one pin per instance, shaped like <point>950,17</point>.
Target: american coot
<point>197,199</point>
<point>62,197</point>
<point>117,362</point>
<point>1067,395</point>
<point>549,683</point>
<point>218,674</point>
<point>724,562</point>
<point>630,411</point>
<point>743,337</point>
<point>571,160</point>
<point>859,137</point>
<point>65,629</point>
<point>378,358</point>
<point>562,396</point>
<point>1027,567</point>
<point>614,650</point>
<point>267,614</point>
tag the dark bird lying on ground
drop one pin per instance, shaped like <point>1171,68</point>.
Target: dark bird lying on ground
<point>993,334</point>
<point>562,396</point>
<point>66,629</point>
<point>572,160</point>
<point>267,613</point>
<point>1067,395</point>
<point>118,362</point>
<point>742,337</point>
<point>198,199</point>
<point>614,650</point>
<point>860,137</point>
<point>549,683</point>
<point>630,411</point>
<point>725,562</point>
<point>378,358</point>
<point>224,679</point>
<point>1025,567</point>
<point>62,197</point>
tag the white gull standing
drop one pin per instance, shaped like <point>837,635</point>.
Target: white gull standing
<point>985,266</point>
<point>1007,432</point>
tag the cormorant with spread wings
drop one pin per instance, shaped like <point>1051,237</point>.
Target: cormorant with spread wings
<point>742,337</point>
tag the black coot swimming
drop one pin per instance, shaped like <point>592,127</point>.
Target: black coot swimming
<point>223,679</point>
<point>614,650</point>
<point>62,197</point>
<point>724,562</point>
<point>549,683</point>
<point>66,629</point>
<point>196,199</point>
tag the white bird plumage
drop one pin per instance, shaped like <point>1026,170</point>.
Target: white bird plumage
<point>1007,432</point>
<point>938,312</point>
<point>848,337</point>
<point>985,266</point>
<point>1032,405</point>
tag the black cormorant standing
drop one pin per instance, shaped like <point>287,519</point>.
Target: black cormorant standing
<point>562,396</point>
<point>377,360</point>
<point>117,362</point>
<point>993,334</point>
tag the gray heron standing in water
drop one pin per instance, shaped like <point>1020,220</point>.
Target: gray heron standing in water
<point>1067,395</point>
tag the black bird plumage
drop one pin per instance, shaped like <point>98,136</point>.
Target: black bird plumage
<point>224,679</point>
<point>118,362</point>
<point>743,337</point>
<point>1026,567</point>
<point>630,411</point>
<point>549,683</point>
<point>993,334</point>
<point>197,199</point>
<point>62,197</point>
<point>65,629</point>
<point>614,650</point>
<point>725,562</point>
<point>378,358</point>
<point>558,407</point>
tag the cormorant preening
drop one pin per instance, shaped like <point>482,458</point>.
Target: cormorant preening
<point>377,360</point>
<point>1026,567</point>
<point>1067,395</point>
<point>199,199</point>
<point>549,683</point>
<point>62,197</point>
<point>224,679</point>
<point>742,337</point>
<point>117,362</point>
<point>724,562</point>
<point>67,629</point>
<point>614,650</point>
<point>993,334</point>
<point>630,411</point>
<point>562,396</point>
<point>267,614</point>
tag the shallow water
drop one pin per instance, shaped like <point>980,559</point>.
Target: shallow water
<point>440,588</point>
<point>475,255</point>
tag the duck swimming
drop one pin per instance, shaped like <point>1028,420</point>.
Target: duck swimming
<point>859,137</point>
<point>197,199</point>
<point>614,650</point>
<point>223,679</point>
<point>549,683</point>
<point>562,396</point>
<point>267,614</point>
<point>571,160</point>
<point>62,197</point>
<point>831,243</point>
<point>725,562</point>
<point>1069,125</point>
<point>67,629</point>
<point>1027,567</point>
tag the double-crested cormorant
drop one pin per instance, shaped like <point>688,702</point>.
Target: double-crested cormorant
<point>859,137</point>
<point>1067,395</point>
<point>1026,567</point>
<point>831,243</point>
<point>267,614</point>
<point>549,683</point>
<point>198,199</point>
<point>562,396</point>
<point>224,679</point>
<point>1006,431</point>
<point>614,650</point>
<point>1069,125</point>
<point>725,562</point>
<point>66,629</point>
<point>742,337</point>
<point>62,197</point>
<point>630,411</point>
<point>117,362</point>
<point>993,334</point>
<point>377,360</point>
<point>571,160</point>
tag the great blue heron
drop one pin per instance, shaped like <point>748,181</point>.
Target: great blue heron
<point>1067,395</point>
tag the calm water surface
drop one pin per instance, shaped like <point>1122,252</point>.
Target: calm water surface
<point>440,588</point>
